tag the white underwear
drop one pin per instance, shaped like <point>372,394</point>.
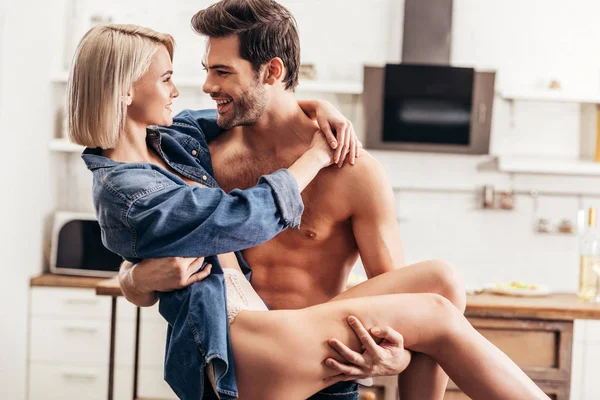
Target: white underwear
<point>240,294</point>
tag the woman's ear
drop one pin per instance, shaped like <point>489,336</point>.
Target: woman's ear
<point>275,71</point>
<point>129,98</point>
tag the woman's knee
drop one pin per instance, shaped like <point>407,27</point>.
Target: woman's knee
<point>441,319</point>
<point>448,283</point>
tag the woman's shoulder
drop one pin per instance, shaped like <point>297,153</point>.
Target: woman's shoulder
<point>199,124</point>
<point>130,181</point>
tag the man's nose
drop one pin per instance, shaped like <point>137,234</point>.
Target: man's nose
<point>210,86</point>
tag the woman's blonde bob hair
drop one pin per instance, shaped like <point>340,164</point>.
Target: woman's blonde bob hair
<point>107,62</point>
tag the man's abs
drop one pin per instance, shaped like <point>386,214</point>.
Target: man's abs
<point>292,272</point>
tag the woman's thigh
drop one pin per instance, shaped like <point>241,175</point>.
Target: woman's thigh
<point>280,354</point>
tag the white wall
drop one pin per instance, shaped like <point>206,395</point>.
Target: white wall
<point>527,42</point>
<point>25,125</point>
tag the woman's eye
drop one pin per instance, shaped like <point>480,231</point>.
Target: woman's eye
<point>167,80</point>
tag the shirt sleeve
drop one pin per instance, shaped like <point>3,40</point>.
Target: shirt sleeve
<point>192,221</point>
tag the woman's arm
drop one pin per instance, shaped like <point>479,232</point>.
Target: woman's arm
<point>336,128</point>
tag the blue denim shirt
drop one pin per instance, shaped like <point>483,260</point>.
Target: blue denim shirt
<point>145,211</point>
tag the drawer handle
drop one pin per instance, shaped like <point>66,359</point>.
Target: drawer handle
<point>90,302</point>
<point>78,329</point>
<point>79,377</point>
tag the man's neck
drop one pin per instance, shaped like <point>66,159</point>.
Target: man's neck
<point>283,127</point>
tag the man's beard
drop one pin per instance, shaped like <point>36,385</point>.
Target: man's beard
<point>246,109</point>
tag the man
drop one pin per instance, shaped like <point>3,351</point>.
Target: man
<point>252,62</point>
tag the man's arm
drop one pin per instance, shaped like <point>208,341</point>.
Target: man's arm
<point>135,293</point>
<point>141,281</point>
<point>374,220</point>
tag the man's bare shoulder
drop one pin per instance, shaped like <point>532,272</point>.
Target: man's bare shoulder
<point>362,183</point>
<point>365,169</point>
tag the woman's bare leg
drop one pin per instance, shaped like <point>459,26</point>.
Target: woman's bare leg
<point>424,378</point>
<point>279,354</point>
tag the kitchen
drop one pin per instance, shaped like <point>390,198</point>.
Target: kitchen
<point>544,122</point>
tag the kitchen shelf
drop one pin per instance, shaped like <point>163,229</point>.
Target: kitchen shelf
<point>339,87</point>
<point>548,165</point>
<point>552,95</point>
<point>342,87</point>
<point>64,146</point>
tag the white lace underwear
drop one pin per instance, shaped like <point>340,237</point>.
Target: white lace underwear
<point>240,294</point>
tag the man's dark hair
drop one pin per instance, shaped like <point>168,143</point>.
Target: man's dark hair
<point>265,29</point>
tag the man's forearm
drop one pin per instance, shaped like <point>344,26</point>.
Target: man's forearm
<point>135,294</point>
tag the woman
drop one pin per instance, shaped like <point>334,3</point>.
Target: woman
<point>138,187</point>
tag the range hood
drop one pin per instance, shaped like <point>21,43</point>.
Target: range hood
<point>425,103</point>
<point>427,37</point>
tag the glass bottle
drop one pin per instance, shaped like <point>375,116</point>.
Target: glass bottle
<point>589,259</point>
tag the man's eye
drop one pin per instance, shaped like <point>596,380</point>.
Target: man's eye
<point>222,73</point>
<point>167,80</point>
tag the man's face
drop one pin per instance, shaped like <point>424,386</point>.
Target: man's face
<point>238,90</point>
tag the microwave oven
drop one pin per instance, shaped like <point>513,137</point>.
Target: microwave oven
<point>429,108</point>
<point>77,249</point>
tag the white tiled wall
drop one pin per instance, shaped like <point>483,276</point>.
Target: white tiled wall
<point>527,42</point>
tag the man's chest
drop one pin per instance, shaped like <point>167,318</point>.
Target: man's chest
<point>238,168</point>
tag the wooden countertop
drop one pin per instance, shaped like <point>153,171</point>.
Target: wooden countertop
<point>557,306</point>
<point>109,287</point>
<point>55,280</point>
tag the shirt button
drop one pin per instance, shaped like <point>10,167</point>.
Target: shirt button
<point>194,153</point>
<point>204,177</point>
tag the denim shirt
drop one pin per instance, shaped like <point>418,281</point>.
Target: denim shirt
<point>145,211</point>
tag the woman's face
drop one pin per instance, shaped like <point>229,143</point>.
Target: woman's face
<point>153,94</point>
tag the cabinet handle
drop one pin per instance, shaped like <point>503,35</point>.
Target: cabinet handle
<point>79,377</point>
<point>90,302</point>
<point>79,329</point>
<point>482,115</point>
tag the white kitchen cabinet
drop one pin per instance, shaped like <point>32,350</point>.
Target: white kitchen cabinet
<point>69,338</point>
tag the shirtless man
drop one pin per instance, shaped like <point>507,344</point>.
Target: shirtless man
<point>348,212</point>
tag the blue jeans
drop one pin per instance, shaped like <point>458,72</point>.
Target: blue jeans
<point>339,391</point>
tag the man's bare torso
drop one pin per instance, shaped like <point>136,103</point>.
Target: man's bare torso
<point>299,267</point>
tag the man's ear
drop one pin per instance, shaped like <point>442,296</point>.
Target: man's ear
<point>275,71</point>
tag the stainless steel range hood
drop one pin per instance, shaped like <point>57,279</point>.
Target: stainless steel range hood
<point>426,82</point>
<point>427,37</point>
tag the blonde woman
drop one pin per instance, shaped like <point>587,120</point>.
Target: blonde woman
<point>154,197</point>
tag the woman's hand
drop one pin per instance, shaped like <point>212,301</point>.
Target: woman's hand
<point>321,149</point>
<point>384,359</point>
<point>330,120</point>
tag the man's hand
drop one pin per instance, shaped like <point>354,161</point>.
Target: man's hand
<point>140,282</point>
<point>168,274</point>
<point>384,359</point>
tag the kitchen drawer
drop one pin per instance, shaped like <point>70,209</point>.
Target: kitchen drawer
<point>80,340</point>
<point>555,391</point>
<point>69,302</point>
<point>67,382</point>
<point>49,381</point>
<point>541,348</point>
<point>80,303</point>
<point>151,384</point>
<point>69,340</point>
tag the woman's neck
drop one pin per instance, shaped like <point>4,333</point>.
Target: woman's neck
<point>131,146</point>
